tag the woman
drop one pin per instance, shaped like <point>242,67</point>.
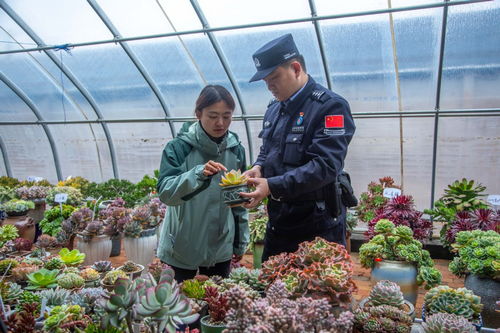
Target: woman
<point>200,231</point>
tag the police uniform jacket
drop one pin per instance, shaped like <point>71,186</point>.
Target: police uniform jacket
<point>304,146</point>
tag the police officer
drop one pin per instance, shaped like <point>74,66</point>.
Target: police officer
<point>306,131</point>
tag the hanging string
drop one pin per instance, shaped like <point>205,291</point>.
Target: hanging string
<point>67,48</point>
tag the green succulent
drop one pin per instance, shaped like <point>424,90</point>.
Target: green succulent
<point>6,266</point>
<point>461,302</point>
<point>55,297</point>
<point>6,193</point>
<point>54,263</point>
<point>8,232</point>
<point>397,243</point>
<point>71,258</point>
<point>27,297</point>
<point>382,319</point>
<point>111,276</point>
<point>257,230</point>
<point>17,206</point>
<point>130,267</point>
<point>248,276</point>
<point>42,278</point>
<point>478,253</point>
<point>10,291</point>
<point>53,218</point>
<point>386,293</point>
<point>193,288</point>
<point>70,281</point>
<point>75,197</point>
<point>165,306</point>
<point>90,274</point>
<point>447,323</point>
<point>60,315</point>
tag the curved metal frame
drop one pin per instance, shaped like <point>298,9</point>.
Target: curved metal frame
<point>5,156</point>
<point>135,60</point>
<point>229,73</point>
<point>33,108</point>
<point>67,72</point>
<point>319,36</point>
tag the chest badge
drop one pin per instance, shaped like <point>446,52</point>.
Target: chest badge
<point>300,119</point>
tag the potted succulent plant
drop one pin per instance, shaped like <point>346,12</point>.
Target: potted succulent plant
<point>447,323</point>
<point>132,269</point>
<point>16,207</point>
<point>393,254</point>
<point>17,211</point>
<point>8,233</point>
<point>218,306</point>
<point>108,282</point>
<point>48,244</point>
<point>37,194</point>
<point>381,319</point>
<point>257,233</point>
<point>479,219</point>
<point>42,279</point>
<point>70,281</point>
<point>115,216</point>
<point>52,221</point>
<point>233,183</point>
<point>374,199</point>
<point>386,292</point>
<point>479,259</point>
<point>139,233</point>
<point>90,235</point>
<point>6,267</point>
<point>102,267</point>
<point>91,277</point>
<point>75,197</point>
<point>71,258</point>
<point>461,302</point>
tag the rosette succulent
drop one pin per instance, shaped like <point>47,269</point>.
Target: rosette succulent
<point>386,293</point>
<point>397,243</point>
<point>461,302</point>
<point>111,276</point>
<point>382,319</point>
<point>75,197</point>
<point>374,199</point>
<point>447,323</point>
<point>70,281</point>
<point>71,258</point>
<point>90,274</point>
<point>233,177</point>
<point>102,266</point>
<point>42,278</point>
<point>17,206</point>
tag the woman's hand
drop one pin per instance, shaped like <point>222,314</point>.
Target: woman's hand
<point>211,168</point>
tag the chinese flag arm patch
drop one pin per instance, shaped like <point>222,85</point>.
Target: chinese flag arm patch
<point>336,121</point>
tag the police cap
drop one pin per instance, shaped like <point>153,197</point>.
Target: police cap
<point>273,54</point>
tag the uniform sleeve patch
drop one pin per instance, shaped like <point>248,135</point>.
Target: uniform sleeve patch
<point>336,121</point>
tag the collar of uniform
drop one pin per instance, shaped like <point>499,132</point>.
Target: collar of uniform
<point>300,95</point>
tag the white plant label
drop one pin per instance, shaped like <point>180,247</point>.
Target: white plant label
<point>391,192</point>
<point>494,199</point>
<point>61,197</point>
<point>34,179</point>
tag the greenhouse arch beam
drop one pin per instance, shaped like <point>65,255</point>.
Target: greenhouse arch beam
<point>135,60</point>
<point>254,25</point>
<point>45,127</point>
<point>229,73</point>
<point>67,72</point>
<point>319,36</point>
<point>5,156</point>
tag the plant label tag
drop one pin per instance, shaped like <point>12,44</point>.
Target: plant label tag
<point>494,199</point>
<point>61,197</point>
<point>391,192</point>
<point>34,179</point>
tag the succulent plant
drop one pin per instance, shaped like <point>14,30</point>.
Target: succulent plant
<point>28,297</point>
<point>17,206</point>
<point>6,266</point>
<point>156,268</point>
<point>386,293</point>
<point>401,211</point>
<point>447,323</point>
<point>248,276</point>
<point>51,223</point>
<point>65,317</point>
<point>75,197</point>
<point>130,267</point>
<point>74,270</point>
<point>165,306</point>
<point>23,321</point>
<point>217,304</point>
<point>383,319</point>
<point>478,253</point>
<point>373,200</point>
<point>22,244</point>
<point>46,242</point>
<point>111,276</point>
<point>233,177</point>
<point>70,281</point>
<point>32,192</point>
<point>8,232</point>
<point>102,266</point>
<point>21,271</point>
<point>480,219</point>
<point>87,298</point>
<point>257,230</point>
<point>461,302</point>
<point>55,297</point>
<point>71,258</point>
<point>90,274</point>
<point>132,229</point>
<point>193,288</point>
<point>54,263</point>
<point>6,193</point>
<point>42,278</point>
<point>397,243</point>
<point>10,291</point>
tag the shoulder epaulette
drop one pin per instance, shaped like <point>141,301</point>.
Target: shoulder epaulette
<point>319,95</point>
<point>272,101</point>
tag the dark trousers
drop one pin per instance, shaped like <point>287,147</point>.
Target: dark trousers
<point>277,241</point>
<point>221,269</point>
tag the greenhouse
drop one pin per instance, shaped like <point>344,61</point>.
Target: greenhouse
<point>255,166</point>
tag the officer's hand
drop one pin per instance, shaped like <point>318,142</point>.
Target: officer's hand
<point>254,172</point>
<point>261,191</point>
<point>211,168</point>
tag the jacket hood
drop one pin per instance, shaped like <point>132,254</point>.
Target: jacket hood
<point>192,133</point>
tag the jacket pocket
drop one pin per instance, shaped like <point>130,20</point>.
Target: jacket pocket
<point>293,149</point>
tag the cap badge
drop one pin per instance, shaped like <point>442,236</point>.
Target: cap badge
<point>257,62</point>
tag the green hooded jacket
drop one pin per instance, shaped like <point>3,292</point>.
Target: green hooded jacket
<point>199,229</point>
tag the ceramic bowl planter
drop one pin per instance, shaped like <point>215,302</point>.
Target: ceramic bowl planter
<point>135,274</point>
<point>206,327</point>
<point>409,308</point>
<point>96,249</point>
<point>141,250</point>
<point>478,324</point>
<point>231,195</point>
<point>400,272</point>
